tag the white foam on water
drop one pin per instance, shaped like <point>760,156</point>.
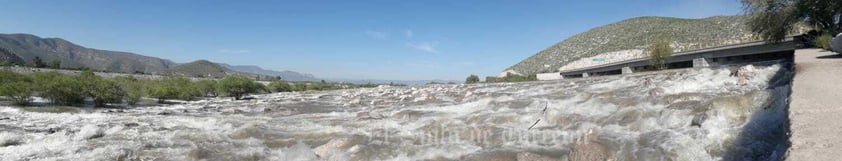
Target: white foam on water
<point>89,132</point>
<point>629,120</point>
<point>297,152</point>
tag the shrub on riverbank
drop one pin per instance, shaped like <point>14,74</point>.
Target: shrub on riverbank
<point>823,41</point>
<point>17,87</point>
<point>511,78</point>
<point>472,79</point>
<point>280,86</point>
<point>101,90</point>
<point>72,90</point>
<point>133,87</point>
<point>61,89</point>
<point>238,86</point>
<point>171,88</point>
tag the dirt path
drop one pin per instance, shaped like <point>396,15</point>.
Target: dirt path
<point>816,107</point>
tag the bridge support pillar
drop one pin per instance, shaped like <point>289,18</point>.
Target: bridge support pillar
<point>585,75</point>
<point>627,70</point>
<point>700,63</point>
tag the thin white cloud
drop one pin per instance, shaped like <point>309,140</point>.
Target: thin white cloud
<point>229,51</point>
<point>376,34</point>
<point>429,47</point>
<point>409,33</point>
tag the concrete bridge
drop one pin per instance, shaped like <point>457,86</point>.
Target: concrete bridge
<point>735,53</point>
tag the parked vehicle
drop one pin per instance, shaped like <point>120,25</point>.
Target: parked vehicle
<point>836,44</point>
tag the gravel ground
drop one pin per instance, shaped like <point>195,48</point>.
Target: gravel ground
<point>816,107</point>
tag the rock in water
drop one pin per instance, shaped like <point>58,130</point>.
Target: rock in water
<point>527,156</point>
<point>698,120</point>
<point>332,147</point>
<point>744,74</point>
<point>10,139</point>
<point>588,148</point>
<point>89,132</point>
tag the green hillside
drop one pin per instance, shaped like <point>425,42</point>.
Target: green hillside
<point>637,33</point>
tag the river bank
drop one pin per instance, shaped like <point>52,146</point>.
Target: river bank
<point>816,106</point>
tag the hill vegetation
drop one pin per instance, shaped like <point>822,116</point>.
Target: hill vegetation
<point>638,33</point>
<point>201,69</point>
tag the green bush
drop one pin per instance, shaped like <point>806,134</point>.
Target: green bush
<point>55,64</point>
<point>280,86</point>
<point>172,88</point>
<point>823,41</point>
<point>38,63</point>
<point>60,89</point>
<point>101,90</point>
<point>18,87</point>
<point>133,88</point>
<point>19,92</point>
<point>472,79</point>
<point>659,52</point>
<point>206,88</point>
<point>238,86</point>
<point>106,91</point>
<point>299,87</point>
<point>491,79</point>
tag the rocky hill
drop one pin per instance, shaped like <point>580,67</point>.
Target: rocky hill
<point>201,69</point>
<point>6,57</point>
<point>27,47</point>
<point>23,48</point>
<point>637,33</point>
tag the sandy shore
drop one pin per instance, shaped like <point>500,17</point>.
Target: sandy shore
<point>816,107</point>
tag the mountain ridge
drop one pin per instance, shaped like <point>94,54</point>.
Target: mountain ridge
<point>22,48</point>
<point>285,75</point>
<point>636,33</point>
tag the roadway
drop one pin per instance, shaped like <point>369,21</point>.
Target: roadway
<point>815,110</point>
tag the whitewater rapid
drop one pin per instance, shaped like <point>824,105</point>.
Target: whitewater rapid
<point>687,114</point>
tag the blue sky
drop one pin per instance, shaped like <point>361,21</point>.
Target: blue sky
<point>389,39</point>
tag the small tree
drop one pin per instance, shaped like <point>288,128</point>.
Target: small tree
<point>61,89</point>
<point>472,79</point>
<point>16,86</point>
<point>106,91</point>
<point>238,86</point>
<point>19,92</point>
<point>660,52</point>
<point>102,91</point>
<point>132,87</point>
<point>772,20</point>
<point>55,64</point>
<point>162,90</point>
<point>280,86</point>
<point>38,63</point>
<point>206,88</point>
<point>299,86</point>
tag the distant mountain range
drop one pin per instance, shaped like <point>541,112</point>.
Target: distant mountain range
<point>400,82</point>
<point>286,75</point>
<point>26,47</point>
<point>637,33</point>
<point>23,48</point>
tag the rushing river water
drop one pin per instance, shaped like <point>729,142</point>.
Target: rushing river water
<point>688,114</point>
